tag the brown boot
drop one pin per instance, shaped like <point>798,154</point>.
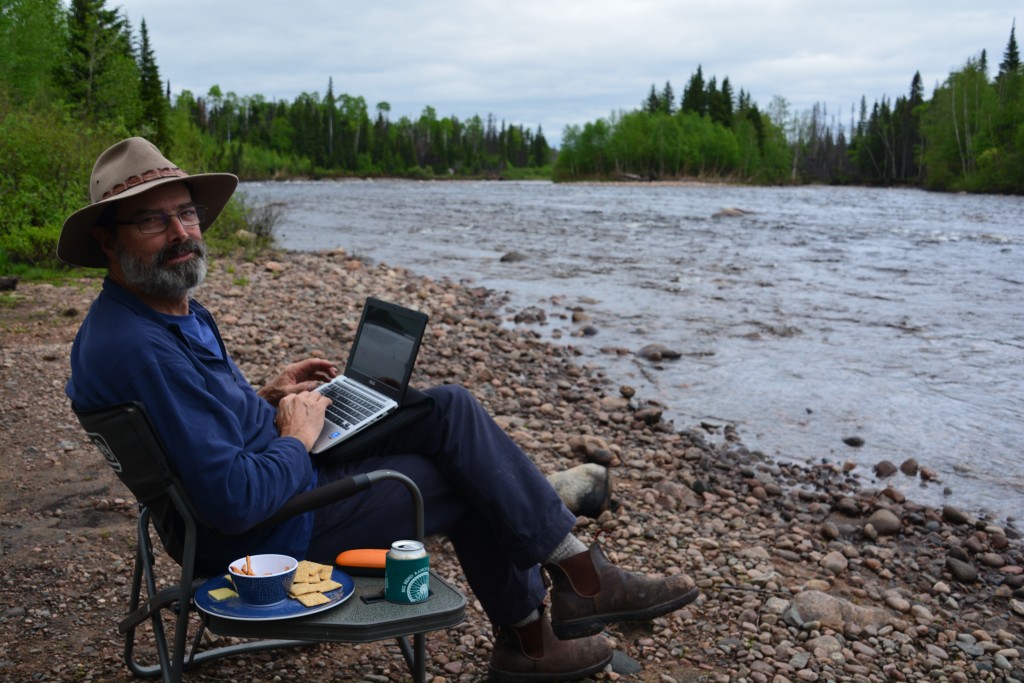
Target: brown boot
<point>587,592</point>
<point>531,654</point>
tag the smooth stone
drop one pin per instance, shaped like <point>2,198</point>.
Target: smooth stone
<point>585,489</point>
<point>885,522</point>
<point>961,571</point>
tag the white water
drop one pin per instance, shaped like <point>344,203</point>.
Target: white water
<point>892,315</point>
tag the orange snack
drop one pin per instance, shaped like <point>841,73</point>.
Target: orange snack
<point>362,561</point>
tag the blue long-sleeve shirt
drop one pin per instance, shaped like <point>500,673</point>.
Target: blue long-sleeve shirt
<point>219,434</point>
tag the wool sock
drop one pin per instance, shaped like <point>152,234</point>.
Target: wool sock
<point>569,546</point>
<point>530,618</point>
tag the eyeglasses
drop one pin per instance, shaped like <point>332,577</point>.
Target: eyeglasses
<point>158,222</point>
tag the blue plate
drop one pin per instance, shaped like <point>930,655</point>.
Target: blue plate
<point>234,608</point>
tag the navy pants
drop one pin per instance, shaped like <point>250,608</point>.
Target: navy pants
<point>479,489</point>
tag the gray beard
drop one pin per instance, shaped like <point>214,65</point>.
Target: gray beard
<point>155,279</point>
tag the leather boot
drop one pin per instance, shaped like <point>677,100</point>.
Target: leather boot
<point>587,592</point>
<point>531,654</point>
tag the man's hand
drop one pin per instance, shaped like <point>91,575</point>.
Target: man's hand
<point>302,415</point>
<point>305,375</point>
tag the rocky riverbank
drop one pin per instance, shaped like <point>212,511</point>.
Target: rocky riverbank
<point>808,572</point>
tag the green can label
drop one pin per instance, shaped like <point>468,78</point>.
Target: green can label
<point>407,573</point>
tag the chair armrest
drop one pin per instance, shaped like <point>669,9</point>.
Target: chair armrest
<point>318,497</point>
<point>343,488</point>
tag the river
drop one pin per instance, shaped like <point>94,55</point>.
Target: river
<point>894,316</point>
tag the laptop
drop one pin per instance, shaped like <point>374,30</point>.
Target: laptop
<point>377,373</point>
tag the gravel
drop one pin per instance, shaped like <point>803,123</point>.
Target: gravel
<point>808,572</point>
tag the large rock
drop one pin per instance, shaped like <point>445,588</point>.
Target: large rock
<point>964,572</point>
<point>730,212</point>
<point>585,489</point>
<point>885,522</point>
<point>656,352</point>
<point>835,613</point>
<point>676,496</point>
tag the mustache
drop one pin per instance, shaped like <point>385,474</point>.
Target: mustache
<point>189,246</point>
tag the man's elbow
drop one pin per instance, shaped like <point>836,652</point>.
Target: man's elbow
<point>235,527</point>
<point>230,519</point>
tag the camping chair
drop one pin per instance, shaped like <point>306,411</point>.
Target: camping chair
<point>125,436</point>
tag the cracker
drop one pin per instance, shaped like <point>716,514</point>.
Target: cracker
<point>327,586</point>
<point>298,589</point>
<point>313,599</point>
<point>307,567</point>
<point>325,572</point>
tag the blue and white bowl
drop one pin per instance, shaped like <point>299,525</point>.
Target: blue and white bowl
<point>272,577</point>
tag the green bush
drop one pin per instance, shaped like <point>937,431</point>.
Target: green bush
<point>31,215</point>
<point>46,157</point>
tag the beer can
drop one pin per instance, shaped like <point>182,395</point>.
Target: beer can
<point>407,573</point>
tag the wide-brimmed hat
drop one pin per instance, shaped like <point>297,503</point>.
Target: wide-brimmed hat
<point>127,169</point>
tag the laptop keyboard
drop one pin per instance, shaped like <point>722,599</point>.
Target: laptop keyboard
<point>348,407</point>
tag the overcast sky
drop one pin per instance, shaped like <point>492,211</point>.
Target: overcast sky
<point>552,63</point>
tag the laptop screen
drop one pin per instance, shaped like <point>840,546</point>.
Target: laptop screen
<point>385,348</point>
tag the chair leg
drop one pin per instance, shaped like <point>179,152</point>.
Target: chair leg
<point>170,664</point>
<point>144,571</point>
<point>420,645</point>
<point>133,604</point>
<point>415,655</point>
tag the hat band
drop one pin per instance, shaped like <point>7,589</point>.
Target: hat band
<point>145,177</point>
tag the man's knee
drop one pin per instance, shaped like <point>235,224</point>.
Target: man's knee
<point>448,397</point>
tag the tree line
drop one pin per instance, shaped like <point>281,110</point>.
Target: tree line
<point>968,136</point>
<point>336,135</point>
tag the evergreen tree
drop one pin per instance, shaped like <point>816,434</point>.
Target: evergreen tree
<point>667,100</point>
<point>653,103</point>
<point>743,101</point>
<point>1010,66</point>
<point>1008,80</point>
<point>330,113</point>
<point>720,104</point>
<point>910,142</point>
<point>154,106</point>
<point>1004,167</point>
<point>862,120</point>
<point>380,148</point>
<point>100,74</point>
<point>540,152</point>
<point>694,96</point>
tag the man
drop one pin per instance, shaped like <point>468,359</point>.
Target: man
<point>242,453</point>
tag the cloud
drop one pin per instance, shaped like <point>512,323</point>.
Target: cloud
<point>555,63</point>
